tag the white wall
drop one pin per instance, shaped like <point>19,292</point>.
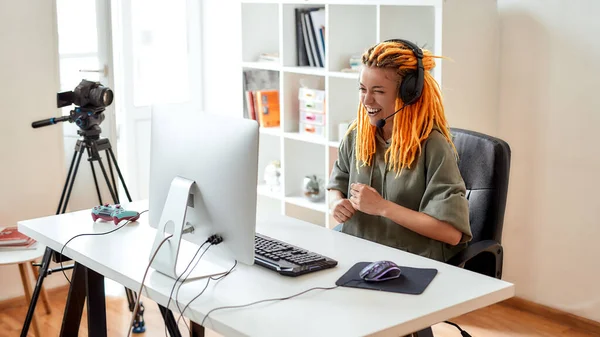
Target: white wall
<point>221,57</point>
<point>31,168</point>
<point>549,113</point>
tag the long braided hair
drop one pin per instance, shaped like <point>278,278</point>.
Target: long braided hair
<point>414,123</point>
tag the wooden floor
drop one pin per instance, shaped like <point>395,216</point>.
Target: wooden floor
<point>499,320</point>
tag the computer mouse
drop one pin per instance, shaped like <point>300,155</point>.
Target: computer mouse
<point>380,271</point>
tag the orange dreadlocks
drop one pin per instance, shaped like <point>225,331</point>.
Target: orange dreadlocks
<point>414,123</point>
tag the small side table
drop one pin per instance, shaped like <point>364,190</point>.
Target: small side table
<point>24,258</point>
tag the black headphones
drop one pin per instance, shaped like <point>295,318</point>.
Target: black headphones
<point>411,87</point>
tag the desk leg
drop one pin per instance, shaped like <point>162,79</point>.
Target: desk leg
<point>96,309</point>
<point>75,302</point>
<point>424,333</point>
<point>170,321</point>
<point>197,330</point>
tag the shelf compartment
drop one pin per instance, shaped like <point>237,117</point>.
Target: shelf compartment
<point>308,159</point>
<point>271,131</point>
<point>290,50</point>
<point>305,138</point>
<point>306,70</point>
<point>262,65</point>
<point>353,29</point>
<point>255,79</point>
<point>343,98</point>
<point>264,190</point>
<point>291,105</point>
<point>316,217</point>
<point>260,30</point>
<point>302,202</point>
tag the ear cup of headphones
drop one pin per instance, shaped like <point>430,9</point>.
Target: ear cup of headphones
<point>411,87</point>
<point>408,91</point>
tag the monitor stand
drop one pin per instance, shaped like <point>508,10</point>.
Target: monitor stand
<point>167,259</point>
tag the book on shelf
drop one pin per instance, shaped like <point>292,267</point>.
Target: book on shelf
<point>267,107</point>
<point>310,36</point>
<point>12,239</point>
<point>257,80</point>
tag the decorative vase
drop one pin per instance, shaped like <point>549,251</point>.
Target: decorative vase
<point>313,188</point>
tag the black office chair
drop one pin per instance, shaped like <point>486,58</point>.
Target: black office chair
<point>484,163</point>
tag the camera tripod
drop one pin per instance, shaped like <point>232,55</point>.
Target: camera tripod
<point>86,282</point>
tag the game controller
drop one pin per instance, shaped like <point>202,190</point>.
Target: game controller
<point>116,213</point>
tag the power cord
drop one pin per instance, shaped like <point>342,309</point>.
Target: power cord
<point>213,240</point>
<point>137,302</point>
<point>89,234</point>
<point>462,332</point>
<point>206,286</point>
<point>178,278</point>
<point>273,299</point>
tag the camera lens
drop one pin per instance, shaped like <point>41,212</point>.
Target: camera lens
<point>107,97</point>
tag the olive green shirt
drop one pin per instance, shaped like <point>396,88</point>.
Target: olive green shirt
<point>433,186</point>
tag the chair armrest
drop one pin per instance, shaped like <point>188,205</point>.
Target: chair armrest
<point>477,248</point>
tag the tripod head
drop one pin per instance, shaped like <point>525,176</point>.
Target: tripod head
<point>91,99</point>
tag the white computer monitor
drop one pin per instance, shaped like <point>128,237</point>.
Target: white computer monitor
<point>203,173</point>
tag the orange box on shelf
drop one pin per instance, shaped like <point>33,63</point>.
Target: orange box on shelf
<point>311,129</point>
<point>267,104</point>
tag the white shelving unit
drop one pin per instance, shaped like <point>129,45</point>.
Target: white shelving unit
<point>446,27</point>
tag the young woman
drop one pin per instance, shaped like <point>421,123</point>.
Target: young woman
<point>396,181</point>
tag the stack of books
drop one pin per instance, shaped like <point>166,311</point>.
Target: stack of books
<point>310,36</point>
<point>11,239</point>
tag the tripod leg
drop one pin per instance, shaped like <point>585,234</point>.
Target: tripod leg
<point>110,188</point>
<point>139,325</point>
<point>112,175</point>
<point>130,298</point>
<point>95,179</point>
<point>112,155</point>
<point>62,196</point>
<point>80,154</point>
<point>36,291</point>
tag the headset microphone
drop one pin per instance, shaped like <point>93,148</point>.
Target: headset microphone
<point>381,123</point>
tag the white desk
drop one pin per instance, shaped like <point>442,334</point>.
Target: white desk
<point>123,256</point>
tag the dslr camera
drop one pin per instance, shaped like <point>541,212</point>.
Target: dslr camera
<point>90,98</point>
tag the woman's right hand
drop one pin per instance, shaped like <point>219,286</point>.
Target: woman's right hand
<point>342,210</point>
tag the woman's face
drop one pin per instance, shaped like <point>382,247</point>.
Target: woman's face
<point>378,92</point>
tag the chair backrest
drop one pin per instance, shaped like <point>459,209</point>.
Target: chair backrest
<point>484,162</point>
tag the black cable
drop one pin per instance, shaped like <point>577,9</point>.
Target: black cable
<point>90,234</point>
<point>462,332</point>
<point>137,302</point>
<point>177,280</point>
<point>188,275</point>
<point>214,239</point>
<point>271,299</point>
<point>206,286</point>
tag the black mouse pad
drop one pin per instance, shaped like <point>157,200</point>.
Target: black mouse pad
<point>411,280</point>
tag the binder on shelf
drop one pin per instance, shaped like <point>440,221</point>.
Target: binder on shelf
<point>267,107</point>
<point>301,55</point>
<point>310,36</point>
